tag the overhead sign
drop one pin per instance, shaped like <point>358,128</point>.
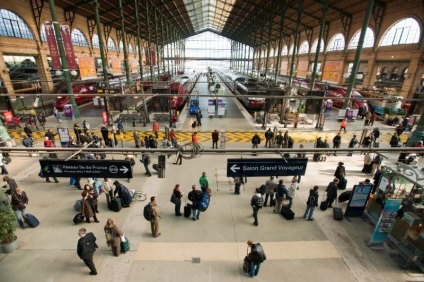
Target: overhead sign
<point>266,167</point>
<point>86,168</point>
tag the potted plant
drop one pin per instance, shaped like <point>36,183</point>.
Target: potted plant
<point>8,239</point>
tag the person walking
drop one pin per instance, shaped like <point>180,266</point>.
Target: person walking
<point>113,237</point>
<point>279,139</point>
<point>199,117</point>
<point>156,128</point>
<point>376,134</point>
<point>204,182</point>
<point>145,160</point>
<point>195,197</point>
<point>154,223</point>
<point>42,120</point>
<point>173,137</point>
<point>269,191</point>
<point>87,209</point>
<point>19,204</point>
<point>332,192</point>
<point>120,125</point>
<point>3,166</point>
<point>86,248</point>
<point>311,204</point>
<point>215,138</point>
<point>343,125</point>
<point>11,183</point>
<point>372,119</point>
<point>57,115</point>
<point>256,202</point>
<point>352,144</point>
<point>337,140</point>
<point>256,257</point>
<point>105,133</point>
<point>256,140</point>
<point>269,135</point>
<point>85,126</point>
<point>340,172</point>
<point>394,140</point>
<point>137,139</point>
<point>178,195</point>
<point>291,192</point>
<point>376,163</point>
<point>280,191</point>
<point>367,119</point>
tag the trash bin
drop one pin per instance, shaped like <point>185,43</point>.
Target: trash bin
<point>161,172</point>
<point>162,161</point>
<point>329,105</point>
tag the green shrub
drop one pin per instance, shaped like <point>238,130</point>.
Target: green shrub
<point>7,224</point>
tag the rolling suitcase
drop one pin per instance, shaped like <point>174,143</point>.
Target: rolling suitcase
<point>337,213</point>
<point>342,184</point>
<point>246,265</point>
<point>345,196</point>
<point>287,213</point>
<point>78,218</point>
<point>31,220</point>
<point>116,204</point>
<point>376,145</point>
<point>155,167</point>
<point>77,205</point>
<point>323,205</point>
<point>187,210</point>
<point>316,157</point>
<point>125,246</point>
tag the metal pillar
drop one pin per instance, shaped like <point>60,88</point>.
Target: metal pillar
<point>124,41</point>
<point>66,72</point>
<point>157,42</point>
<point>140,50</point>
<point>149,52</point>
<point>167,47</point>
<point>296,42</point>
<point>163,43</point>
<point>260,51</point>
<point>268,47</point>
<point>280,39</point>
<point>358,53</point>
<point>321,33</point>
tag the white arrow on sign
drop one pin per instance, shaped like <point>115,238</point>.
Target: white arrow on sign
<point>124,169</point>
<point>234,168</point>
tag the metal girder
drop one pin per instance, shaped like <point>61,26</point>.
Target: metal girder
<point>91,25</point>
<point>377,14</point>
<point>107,29</point>
<point>128,37</point>
<point>326,31</point>
<point>78,4</point>
<point>308,33</point>
<point>347,23</point>
<point>37,8</point>
<point>335,8</point>
<point>113,21</point>
<point>70,15</point>
<point>118,39</point>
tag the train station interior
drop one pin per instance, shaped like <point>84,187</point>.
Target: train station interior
<point>301,69</point>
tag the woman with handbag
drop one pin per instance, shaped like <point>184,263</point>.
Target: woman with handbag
<point>176,199</point>
<point>113,237</point>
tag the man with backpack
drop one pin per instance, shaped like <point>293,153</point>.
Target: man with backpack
<point>86,248</point>
<point>376,163</point>
<point>195,196</point>
<point>312,203</point>
<point>269,135</point>
<point>257,203</point>
<point>145,160</point>
<point>256,140</point>
<point>155,217</point>
<point>255,257</point>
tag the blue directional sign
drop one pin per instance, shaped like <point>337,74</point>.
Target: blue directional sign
<point>266,167</point>
<point>86,168</point>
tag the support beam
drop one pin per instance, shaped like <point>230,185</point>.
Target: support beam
<point>124,41</point>
<point>70,15</point>
<point>37,8</point>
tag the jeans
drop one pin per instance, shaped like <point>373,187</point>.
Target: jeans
<point>178,207</point>
<point>193,211</point>
<point>254,269</point>
<point>290,202</point>
<point>146,167</point>
<point>255,215</point>
<point>270,200</point>
<point>309,210</point>
<point>4,169</point>
<point>18,214</point>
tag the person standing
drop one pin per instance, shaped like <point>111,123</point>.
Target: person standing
<point>268,138</point>
<point>85,126</point>
<point>42,120</point>
<point>311,204</point>
<point>113,237</point>
<point>237,184</point>
<point>372,119</point>
<point>195,196</point>
<point>156,128</point>
<point>199,117</point>
<point>256,140</point>
<point>256,202</point>
<point>337,140</point>
<point>291,192</point>
<point>105,133</point>
<point>3,165</point>
<point>376,134</point>
<point>108,188</point>
<point>120,125</point>
<point>352,144</point>
<point>279,139</point>
<point>92,196</point>
<point>280,191</point>
<point>87,209</point>
<point>343,125</point>
<point>269,191</point>
<point>340,172</point>
<point>173,137</point>
<point>57,115</point>
<point>194,138</point>
<point>145,159</point>
<point>28,131</point>
<point>86,248</point>
<point>204,182</point>
<point>256,257</point>
<point>394,140</point>
<point>178,195</point>
<point>215,138</point>
<point>154,223</point>
<point>332,192</point>
<point>376,163</point>
<point>19,203</point>
<point>137,139</point>
<point>367,118</point>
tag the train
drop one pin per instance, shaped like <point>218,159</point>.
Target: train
<point>243,85</point>
<point>182,84</point>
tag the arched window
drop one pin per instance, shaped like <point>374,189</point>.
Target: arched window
<point>336,43</point>
<point>13,26</point>
<point>406,31</point>
<point>315,45</point>
<point>368,40</point>
<point>121,45</point>
<point>130,48</point>
<point>95,41</point>
<point>285,51</point>
<point>111,44</point>
<point>304,47</point>
<point>43,34</point>
<point>78,39</point>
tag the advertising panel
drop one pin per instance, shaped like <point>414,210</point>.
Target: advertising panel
<point>67,44</point>
<point>51,42</point>
<point>87,68</point>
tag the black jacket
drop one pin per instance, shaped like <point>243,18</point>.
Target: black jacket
<point>256,139</point>
<point>331,190</point>
<point>87,246</point>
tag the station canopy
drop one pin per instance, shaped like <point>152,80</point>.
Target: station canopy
<point>238,20</point>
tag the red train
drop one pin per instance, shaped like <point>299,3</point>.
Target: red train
<point>182,85</point>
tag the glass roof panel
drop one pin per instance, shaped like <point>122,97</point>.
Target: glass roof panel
<point>209,14</point>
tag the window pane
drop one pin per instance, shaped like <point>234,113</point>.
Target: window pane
<point>12,25</point>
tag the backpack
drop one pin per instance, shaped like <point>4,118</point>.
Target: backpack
<point>146,159</point>
<point>88,248</point>
<point>260,202</point>
<point>311,201</point>
<point>26,142</point>
<point>147,212</point>
<point>197,195</point>
<point>258,254</point>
